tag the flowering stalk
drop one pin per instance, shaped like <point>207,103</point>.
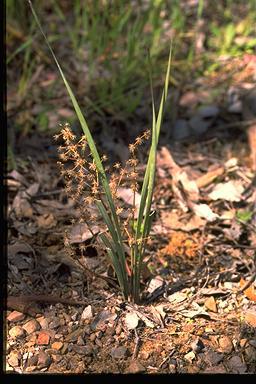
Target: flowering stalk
<point>92,182</point>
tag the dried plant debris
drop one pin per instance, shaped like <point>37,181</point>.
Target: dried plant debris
<point>64,313</point>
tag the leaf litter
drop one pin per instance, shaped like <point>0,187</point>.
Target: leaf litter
<point>201,259</point>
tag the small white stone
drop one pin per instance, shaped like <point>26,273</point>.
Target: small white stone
<point>131,320</point>
<point>16,332</point>
<point>87,313</point>
<point>190,356</point>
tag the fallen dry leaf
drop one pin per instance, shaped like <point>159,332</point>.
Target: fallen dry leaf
<point>177,297</point>
<point>127,195</point>
<point>21,204</point>
<point>26,228</point>
<point>230,191</point>
<point>19,247</point>
<point>204,211</point>
<point>46,221</point>
<point>197,312</point>
<point>80,232</point>
<point>155,283</point>
<point>210,304</point>
<point>249,292</point>
<point>22,207</point>
<point>250,317</point>
<point>15,175</point>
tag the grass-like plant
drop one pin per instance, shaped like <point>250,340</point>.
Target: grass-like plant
<point>103,193</point>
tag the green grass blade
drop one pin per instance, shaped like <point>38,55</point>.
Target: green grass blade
<point>144,222</point>
<point>116,232</point>
<point>114,260</point>
<point>21,48</point>
<point>144,191</point>
<point>119,250</point>
<point>155,136</point>
<point>107,220</point>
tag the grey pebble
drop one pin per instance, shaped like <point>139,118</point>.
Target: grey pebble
<point>237,365</point>
<point>250,353</point>
<point>32,361</point>
<point>80,340</point>
<point>98,343</point>
<point>44,360</point>
<point>119,352</point>
<point>85,350</point>
<point>180,130</point>
<point>55,323</point>
<point>208,111</point>
<point>199,125</point>
<point>253,343</point>
<point>212,358</point>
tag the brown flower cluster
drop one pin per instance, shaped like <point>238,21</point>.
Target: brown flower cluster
<point>82,181</point>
